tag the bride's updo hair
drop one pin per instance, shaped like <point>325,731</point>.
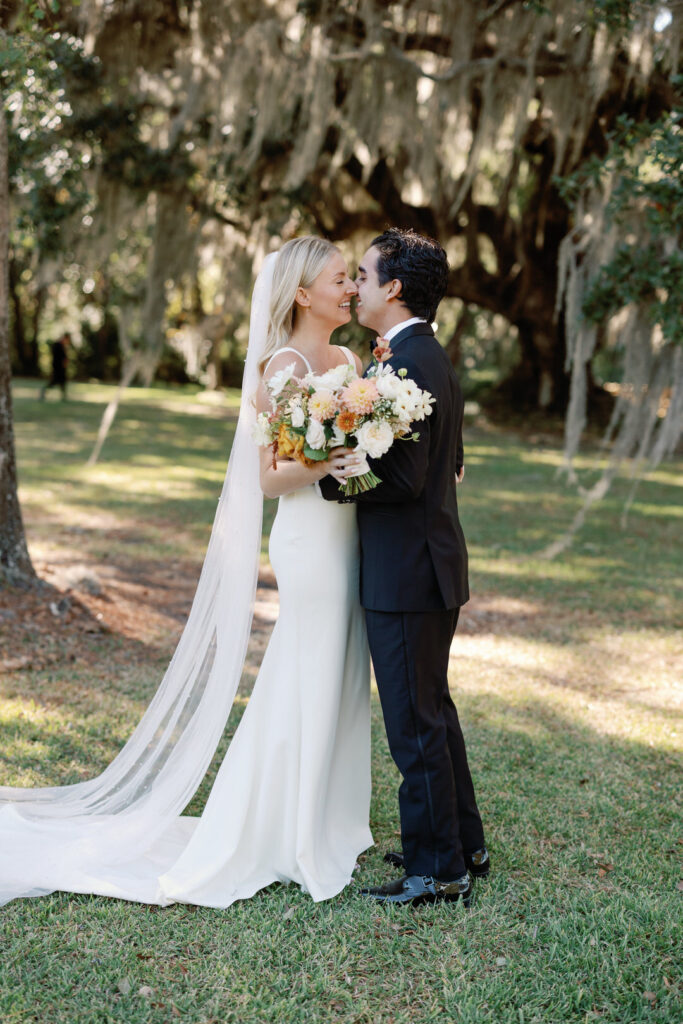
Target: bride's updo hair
<point>298,264</point>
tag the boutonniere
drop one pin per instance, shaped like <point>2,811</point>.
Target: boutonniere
<point>381,352</point>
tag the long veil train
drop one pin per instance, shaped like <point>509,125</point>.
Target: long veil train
<point>89,833</point>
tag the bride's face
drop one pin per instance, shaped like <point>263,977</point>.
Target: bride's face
<point>328,299</point>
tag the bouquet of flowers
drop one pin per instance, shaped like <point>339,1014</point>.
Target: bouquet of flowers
<point>311,416</point>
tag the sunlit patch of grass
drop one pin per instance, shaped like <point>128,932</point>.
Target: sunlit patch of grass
<point>157,396</point>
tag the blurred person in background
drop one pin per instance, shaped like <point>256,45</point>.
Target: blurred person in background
<point>60,360</point>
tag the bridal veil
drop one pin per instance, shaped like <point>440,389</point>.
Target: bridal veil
<point>94,828</point>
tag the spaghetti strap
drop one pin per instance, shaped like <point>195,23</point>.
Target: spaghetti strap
<point>349,355</point>
<point>287,349</point>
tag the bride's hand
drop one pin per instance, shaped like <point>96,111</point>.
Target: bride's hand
<point>343,463</point>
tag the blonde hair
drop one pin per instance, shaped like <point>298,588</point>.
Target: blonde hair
<point>298,264</point>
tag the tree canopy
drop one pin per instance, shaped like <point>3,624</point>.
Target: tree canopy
<point>162,148</point>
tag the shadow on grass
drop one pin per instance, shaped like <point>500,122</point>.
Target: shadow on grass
<point>554,794</point>
<point>558,799</point>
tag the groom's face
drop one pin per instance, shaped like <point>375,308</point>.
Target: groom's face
<point>371,304</point>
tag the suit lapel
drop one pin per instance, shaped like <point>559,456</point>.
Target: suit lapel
<point>411,332</point>
<point>414,330</point>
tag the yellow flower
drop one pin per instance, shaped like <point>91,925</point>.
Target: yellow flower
<point>291,446</point>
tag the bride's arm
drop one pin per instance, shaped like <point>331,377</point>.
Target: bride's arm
<point>289,475</point>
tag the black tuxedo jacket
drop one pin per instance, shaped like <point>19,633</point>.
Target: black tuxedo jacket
<point>413,553</point>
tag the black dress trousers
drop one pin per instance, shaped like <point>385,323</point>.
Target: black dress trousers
<point>439,815</point>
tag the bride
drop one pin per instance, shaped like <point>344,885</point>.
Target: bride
<point>291,798</point>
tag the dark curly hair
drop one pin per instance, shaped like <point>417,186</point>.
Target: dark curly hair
<point>419,263</point>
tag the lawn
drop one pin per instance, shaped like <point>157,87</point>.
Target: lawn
<point>566,675</point>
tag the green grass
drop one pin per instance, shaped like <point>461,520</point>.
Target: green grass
<point>567,679</point>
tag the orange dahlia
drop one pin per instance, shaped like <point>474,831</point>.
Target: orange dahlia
<point>346,421</point>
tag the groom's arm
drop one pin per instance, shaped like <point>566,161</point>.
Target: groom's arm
<point>459,451</point>
<point>403,471</point>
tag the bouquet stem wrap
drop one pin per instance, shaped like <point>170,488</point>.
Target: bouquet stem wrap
<point>364,480</point>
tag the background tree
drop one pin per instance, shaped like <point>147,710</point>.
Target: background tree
<point>15,563</point>
<point>455,119</point>
<point>622,286</point>
<point>341,117</point>
<point>215,129</point>
<point>47,168</point>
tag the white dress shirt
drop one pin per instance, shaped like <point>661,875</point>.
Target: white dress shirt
<point>393,331</point>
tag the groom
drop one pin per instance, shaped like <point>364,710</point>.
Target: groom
<point>414,580</point>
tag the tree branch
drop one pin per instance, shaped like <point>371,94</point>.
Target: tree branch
<point>482,290</point>
<point>382,188</point>
<point>488,15</point>
<point>547,64</point>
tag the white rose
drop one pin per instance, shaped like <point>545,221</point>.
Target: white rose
<point>276,383</point>
<point>375,439</point>
<point>338,437</point>
<point>262,432</point>
<point>332,380</point>
<point>388,386</point>
<point>315,435</point>
<point>298,416</point>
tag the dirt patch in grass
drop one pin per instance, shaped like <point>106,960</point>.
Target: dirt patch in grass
<point>142,603</point>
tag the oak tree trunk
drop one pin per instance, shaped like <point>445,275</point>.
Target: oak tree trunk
<point>15,563</point>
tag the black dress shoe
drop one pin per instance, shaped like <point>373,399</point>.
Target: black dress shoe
<point>415,890</point>
<point>478,863</point>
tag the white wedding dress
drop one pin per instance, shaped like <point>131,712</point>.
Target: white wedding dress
<point>292,797</point>
<point>291,800</point>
